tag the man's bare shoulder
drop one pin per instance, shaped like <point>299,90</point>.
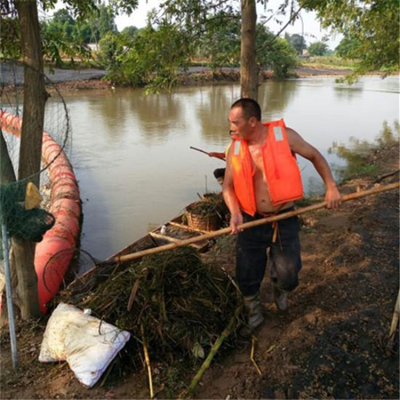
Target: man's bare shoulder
<point>291,131</point>
<point>293,136</point>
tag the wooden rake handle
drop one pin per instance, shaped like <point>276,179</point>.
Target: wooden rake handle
<point>352,196</point>
<point>201,151</point>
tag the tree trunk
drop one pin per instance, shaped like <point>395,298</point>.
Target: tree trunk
<point>34,91</point>
<point>248,65</point>
<point>35,96</point>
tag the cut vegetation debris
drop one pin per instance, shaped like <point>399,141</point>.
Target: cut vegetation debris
<point>173,302</point>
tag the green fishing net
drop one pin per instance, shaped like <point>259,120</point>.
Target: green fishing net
<point>23,224</point>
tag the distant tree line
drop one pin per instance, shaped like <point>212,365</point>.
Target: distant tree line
<point>154,55</point>
<point>132,56</point>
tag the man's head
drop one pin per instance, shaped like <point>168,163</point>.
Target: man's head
<point>244,116</point>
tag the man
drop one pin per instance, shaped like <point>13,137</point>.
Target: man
<point>219,173</point>
<point>262,179</point>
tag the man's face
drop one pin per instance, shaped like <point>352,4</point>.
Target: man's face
<point>239,126</point>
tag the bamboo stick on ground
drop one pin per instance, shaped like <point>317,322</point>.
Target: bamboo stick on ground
<point>252,355</point>
<point>132,296</point>
<point>227,331</point>
<point>262,221</point>
<point>147,358</point>
<point>393,327</point>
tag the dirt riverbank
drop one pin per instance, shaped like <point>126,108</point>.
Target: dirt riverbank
<point>199,76</point>
<point>84,79</point>
<point>329,345</point>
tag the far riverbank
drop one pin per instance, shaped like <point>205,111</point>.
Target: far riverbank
<point>85,78</point>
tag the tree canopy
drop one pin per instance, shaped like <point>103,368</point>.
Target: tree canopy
<point>297,41</point>
<point>317,49</point>
<point>371,25</point>
<point>66,33</point>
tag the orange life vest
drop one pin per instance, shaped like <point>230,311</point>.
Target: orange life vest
<point>280,166</point>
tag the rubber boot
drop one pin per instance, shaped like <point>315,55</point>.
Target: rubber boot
<point>254,314</point>
<point>280,298</point>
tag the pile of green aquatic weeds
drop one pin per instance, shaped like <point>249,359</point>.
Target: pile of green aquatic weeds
<point>173,302</point>
<point>210,204</point>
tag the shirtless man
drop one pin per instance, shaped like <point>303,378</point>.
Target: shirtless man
<point>250,169</point>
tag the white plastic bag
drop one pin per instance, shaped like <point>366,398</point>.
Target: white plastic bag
<point>85,342</point>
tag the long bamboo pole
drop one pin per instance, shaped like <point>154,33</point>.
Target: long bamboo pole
<point>262,221</point>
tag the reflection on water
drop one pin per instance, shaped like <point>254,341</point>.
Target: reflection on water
<point>275,97</point>
<point>356,152</point>
<point>212,111</point>
<point>131,151</point>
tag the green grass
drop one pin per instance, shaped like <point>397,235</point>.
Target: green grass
<point>327,62</point>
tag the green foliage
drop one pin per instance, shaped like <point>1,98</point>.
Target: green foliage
<point>130,31</point>
<point>388,136</point>
<point>90,29</point>
<point>297,41</point>
<point>105,23</point>
<point>152,58</point>
<point>279,55</point>
<point>111,56</point>
<point>347,48</point>
<point>356,156</point>
<point>328,62</point>
<point>221,41</point>
<point>371,25</point>
<point>67,32</point>
<point>9,38</point>
<point>57,45</point>
<point>317,49</point>
<point>357,152</point>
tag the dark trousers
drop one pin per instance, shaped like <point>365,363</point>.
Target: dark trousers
<point>284,261</point>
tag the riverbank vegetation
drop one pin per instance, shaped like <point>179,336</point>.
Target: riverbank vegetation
<point>359,153</point>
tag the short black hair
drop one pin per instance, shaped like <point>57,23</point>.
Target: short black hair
<point>249,107</point>
<point>219,173</point>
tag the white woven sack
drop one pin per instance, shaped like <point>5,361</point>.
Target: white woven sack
<point>85,342</point>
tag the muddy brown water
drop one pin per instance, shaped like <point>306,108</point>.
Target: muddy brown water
<point>131,150</point>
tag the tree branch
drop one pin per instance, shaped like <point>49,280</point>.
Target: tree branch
<point>292,18</point>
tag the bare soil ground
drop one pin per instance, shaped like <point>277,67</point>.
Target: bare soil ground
<point>331,344</point>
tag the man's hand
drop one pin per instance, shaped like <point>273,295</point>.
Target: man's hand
<point>333,198</point>
<point>236,220</point>
<point>217,155</point>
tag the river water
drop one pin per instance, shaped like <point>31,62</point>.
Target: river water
<point>131,150</point>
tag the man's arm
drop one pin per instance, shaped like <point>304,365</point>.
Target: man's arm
<point>217,155</point>
<point>299,146</point>
<point>230,196</point>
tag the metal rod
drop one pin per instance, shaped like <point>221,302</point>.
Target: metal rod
<point>10,308</point>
